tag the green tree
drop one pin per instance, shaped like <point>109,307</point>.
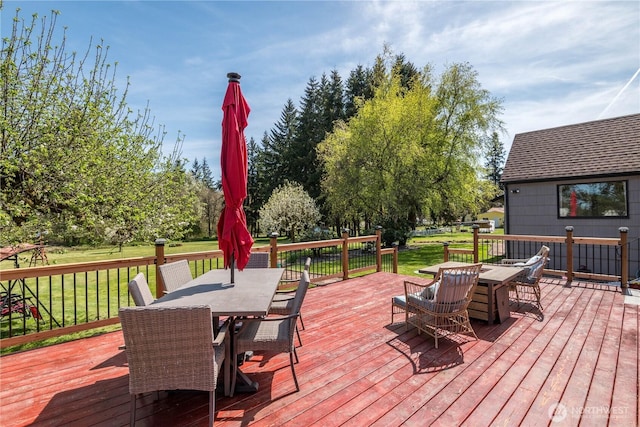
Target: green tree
<point>210,198</point>
<point>358,89</point>
<point>495,160</point>
<point>377,158</point>
<point>411,150</point>
<point>278,151</point>
<point>289,210</point>
<point>196,170</point>
<point>333,101</point>
<point>74,159</point>
<point>309,132</point>
<point>207,175</point>
<point>407,72</point>
<point>254,196</point>
<point>212,202</point>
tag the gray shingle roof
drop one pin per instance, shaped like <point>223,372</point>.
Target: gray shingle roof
<point>591,149</point>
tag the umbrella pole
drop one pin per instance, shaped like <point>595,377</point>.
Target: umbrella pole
<point>232,268</point>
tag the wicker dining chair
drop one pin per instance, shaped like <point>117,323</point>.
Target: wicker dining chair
<point>527,285</point>
<point>543,252</point>
<point>399,304</point>
<point>283,304</point>
<point>271,334</point>
<point>173,349</point>
<point>441,308</point>
<point>139,290</point>
<point>175,274</point>
<point>283,299</point>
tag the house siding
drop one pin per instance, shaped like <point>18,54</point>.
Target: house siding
<point>601,150</point>
<point>532,209</point>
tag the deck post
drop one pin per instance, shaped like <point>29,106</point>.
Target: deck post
<point>273,242</point>
<point>395,259</point>
<point>624,259</point>
<point>159,261</point>
<point>378,248</point>
<point>345,254</point>
<point>569,243</point>
<point>446,251</point>
<point>476,232</point>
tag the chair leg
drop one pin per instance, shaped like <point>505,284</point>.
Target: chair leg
<point>232,356</point>
<point>293,370</point>
<point>536,290</point>
<point>212,406</point>
<point>132,411</point>
<point>234,374</point>
<point>301,323</point>
<point>298,334</point>
<point>226,368</point>
<point>406,320</point>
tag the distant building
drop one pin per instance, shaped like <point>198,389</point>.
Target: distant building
<point>494,214</point>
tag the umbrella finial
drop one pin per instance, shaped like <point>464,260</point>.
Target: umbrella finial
<point>234,77</point>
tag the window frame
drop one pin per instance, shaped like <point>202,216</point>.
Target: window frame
<point>560,188</point>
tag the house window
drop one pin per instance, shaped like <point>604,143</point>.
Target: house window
<point>593,200</point>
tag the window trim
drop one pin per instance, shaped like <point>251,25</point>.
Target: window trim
<point>560,188</point>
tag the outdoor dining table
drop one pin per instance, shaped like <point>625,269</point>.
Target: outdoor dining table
<point>249,296</point>
<point>493,278</point>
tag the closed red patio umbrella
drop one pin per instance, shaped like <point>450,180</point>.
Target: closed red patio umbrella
<point>573,204</point>
<point>233,237</point>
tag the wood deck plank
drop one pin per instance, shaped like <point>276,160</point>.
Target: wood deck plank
<point>555,329</point>
<point>524,351</point>
<point>624,402</point>
<point>567,367</point>
<point>358,369</point>
<point>512,366</point>
<point>470,405</point>
<point>585,375</point>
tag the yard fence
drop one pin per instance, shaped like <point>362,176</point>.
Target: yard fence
<point>49,301</point>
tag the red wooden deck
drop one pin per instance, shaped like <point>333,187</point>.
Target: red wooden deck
<point>357,369</point>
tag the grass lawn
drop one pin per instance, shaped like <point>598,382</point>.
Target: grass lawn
<point>420,251</point>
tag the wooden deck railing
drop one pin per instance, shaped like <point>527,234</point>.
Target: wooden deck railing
<point>590,258</point>
<point>61,299</point>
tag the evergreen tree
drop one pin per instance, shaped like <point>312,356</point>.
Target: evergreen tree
<point>196,170</point>
<point>407,72</point>
<point>310,132</point>
<point>277,155</point>
<point>358,90</point>
<point>333,100</point>
<point>206,175</point>
<point>495,160</point>
<point>254,198</point>
<point>378,75</point>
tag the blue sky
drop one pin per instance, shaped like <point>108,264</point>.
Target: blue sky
<point>551,63</point>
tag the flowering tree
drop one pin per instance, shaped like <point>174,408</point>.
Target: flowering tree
<point>289,210</point>
<point>75,160</point>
